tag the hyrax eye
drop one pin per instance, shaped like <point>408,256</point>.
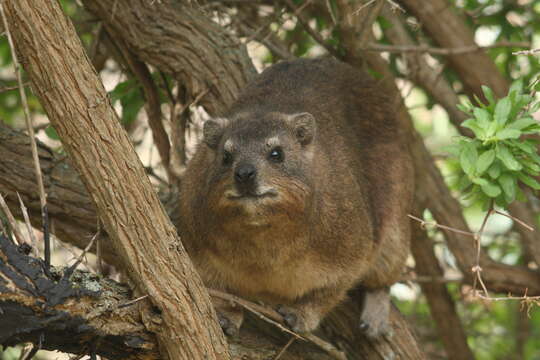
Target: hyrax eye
<point>276,154</point>
<point>227,158</point>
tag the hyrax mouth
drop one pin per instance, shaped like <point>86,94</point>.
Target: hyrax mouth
<point>250,195</point>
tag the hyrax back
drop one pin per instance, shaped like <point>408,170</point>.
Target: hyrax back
<point>300,192</point>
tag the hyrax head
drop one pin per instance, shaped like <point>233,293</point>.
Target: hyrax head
<point>260,159</point>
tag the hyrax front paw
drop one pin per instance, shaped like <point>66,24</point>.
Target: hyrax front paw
<point>230,317</point>
<point>374,320</point>
<point>227,325</point>
<point>300,320</point>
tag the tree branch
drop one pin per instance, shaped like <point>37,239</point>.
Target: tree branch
<point>106,161</point>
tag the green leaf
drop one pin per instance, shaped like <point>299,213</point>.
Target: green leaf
<point>480,181</point>
<point>463,183</point>
<point>507,158</point>
<point>491,189</point>
<point>509,184</point>
<point>484,161</point>
<point>488,93</point>
<point>529,181</point>
<point>495,170</point>
<point>517,87</point>
<point>483,117</point>
<point>121,89</point>
<point>466,106</point>
<point>531,167</point>
<point>472,124</point>
<point>502,110</point>
<point>463,108</point>
<point>492,128</point>
<point>51,133</point>
<point>508,134</point>
<point>523,123</point>
<point>523,146</point>
<point>468,157</point>
<point>534,108</point>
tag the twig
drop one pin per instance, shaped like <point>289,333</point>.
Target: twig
<point>10,88</point>
<point>12,222</point>
<point>440,51</point>
<point>476,269</point>
<point>527,52</point>
<point>431,279</point>
<point>355,12</point>
<point>315,35</point>
<point>268,315</point>
<point>195,101</point>
<point>99,248</point>
<point>521,222</point>
<point>37,167</point>
<point>365,30</point>
<point>395,6</point>
<point>274,318</point>
<point>29,227</point>
<point>424,223</point>
<point>129,303</point>
<point>72,268</point>
<point>291,340</point>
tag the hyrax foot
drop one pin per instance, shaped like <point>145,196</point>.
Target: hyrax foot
<point>299,320</point>
<point>230,317</point>
<point>374,320</point>
<point>227,325</point>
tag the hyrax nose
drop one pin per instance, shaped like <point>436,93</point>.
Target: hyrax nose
<point>245,173</point>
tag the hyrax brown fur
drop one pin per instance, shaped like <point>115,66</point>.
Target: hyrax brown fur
<point>300,192</point>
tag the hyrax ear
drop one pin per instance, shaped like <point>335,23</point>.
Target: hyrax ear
<point>213,130</point>
<point>304,127</point>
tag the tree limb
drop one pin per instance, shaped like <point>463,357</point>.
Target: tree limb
<point>74,99</point>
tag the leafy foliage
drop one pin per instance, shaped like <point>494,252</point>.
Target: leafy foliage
<point>499,157</point>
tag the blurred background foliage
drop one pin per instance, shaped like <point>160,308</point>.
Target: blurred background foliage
<point>495,330</point>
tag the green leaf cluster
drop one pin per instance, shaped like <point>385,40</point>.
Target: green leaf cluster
<point>498,158</point>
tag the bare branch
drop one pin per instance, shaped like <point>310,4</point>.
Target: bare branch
<point>440,51</point>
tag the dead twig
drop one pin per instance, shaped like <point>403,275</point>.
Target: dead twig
<point>129,303</point>
<point>424,223</point>
<point>29,126</point>
<point>291,340</point>
<point>527,52</point>
<point>72,268</point>
<point>12,222</point>
<point>441,51</point>
<point>304,21</point>
<point>28,227</point>
<point>520,222</point>
<point>10,88</point>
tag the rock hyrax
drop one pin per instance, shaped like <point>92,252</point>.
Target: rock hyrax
<point>300,192</point>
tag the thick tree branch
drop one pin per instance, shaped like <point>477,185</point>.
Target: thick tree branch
<point>180,40</point>
<point>70,208</point>
<point>75,313</point>
<point>82,313</point>
<point>76,103</point>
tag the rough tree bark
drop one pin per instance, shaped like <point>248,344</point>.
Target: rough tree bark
<point>77,105</point>
<point>82,313</point>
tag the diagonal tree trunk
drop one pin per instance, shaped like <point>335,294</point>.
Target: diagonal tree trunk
<point>77,105</point>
